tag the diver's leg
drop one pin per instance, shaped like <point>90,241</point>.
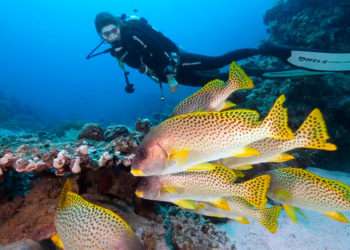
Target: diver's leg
<point>192,61</point>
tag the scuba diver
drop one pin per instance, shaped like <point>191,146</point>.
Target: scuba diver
<point>134,42</point>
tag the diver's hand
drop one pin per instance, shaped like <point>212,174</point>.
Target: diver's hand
<point>172,83</point>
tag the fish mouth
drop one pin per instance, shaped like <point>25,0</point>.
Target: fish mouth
<point>139,194</point>
<point>137,172</point>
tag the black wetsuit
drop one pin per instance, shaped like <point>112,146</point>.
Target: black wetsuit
<point>142,47</point>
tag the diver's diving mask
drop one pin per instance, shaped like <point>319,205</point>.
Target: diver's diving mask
<point>110,33</point>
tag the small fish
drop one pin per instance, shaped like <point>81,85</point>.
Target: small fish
<point>82,225</point>
<point>186,140</point>
<point>312,134</point>
<point>240,209</point>
<point>201,184</point>
<point>296,187</point>
<point>212,97</point>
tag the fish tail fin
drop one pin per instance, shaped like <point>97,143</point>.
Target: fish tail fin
<point>254,191</point>
<point>67,187</point>
<point>276,122</point>
<point>238,79</point>
<point>268,217</point>
<point>313,133</point>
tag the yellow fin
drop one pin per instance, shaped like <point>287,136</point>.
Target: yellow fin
<point>268,217</point>
<point>243,167</point>
<point>337,216</point>
<point>238,173</point>
<point>222,204</point>
<point>276,121</point>
<point>202,167</point>
<point>169,189</point>
<point>247,152</point>
<point>291,213</point>
<point>254,190</point>
<point>241,219</point>
<point>282,158</point>
<point>187,204</point>
<point>57,241</point>
<point>313,133</point>
<point>238,78</point>
<point>180,156</point>
<point>227,105</point>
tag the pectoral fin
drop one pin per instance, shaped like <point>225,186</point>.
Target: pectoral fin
<point>169,189</point>
<point>246,152</point>
<point>282,158</point>
<point>337,216</point>
<point>227,105</point>
<point>241,220</point>
<point>291,213</point>
<point>282,195</point>
<point>243,167</point>
<point>202,167</point>
<point>222,204</point>
<point>180,156</point>
<point>57,241</point>
<point>187,204</point>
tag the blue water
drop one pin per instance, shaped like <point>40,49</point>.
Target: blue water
<point>44,43</point>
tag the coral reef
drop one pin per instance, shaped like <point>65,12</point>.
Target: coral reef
<point>312,24</point>
<point>33,170</point>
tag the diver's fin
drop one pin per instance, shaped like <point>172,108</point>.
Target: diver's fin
<point>337,216</point>
<point>294,73</point>
<point>254,190</point>
<point>246,152</point>
<point>187,204</point>
<point>238,79</point>
<point>180,156</point>
<point>56,240</point>
<point>276,122</point>
<point>281,158</point>
<point>202,167</point>
<point>291,213</point>
<point>227,105</point>
<point>241,219</point>
<point>222,204</point>
<point>313,133</point>
<point>268,217</point>
<point>321,61</point>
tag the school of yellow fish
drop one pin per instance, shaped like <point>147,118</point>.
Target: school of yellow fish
<point>196,160</point>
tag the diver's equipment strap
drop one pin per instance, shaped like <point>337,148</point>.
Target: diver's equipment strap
<point>321,61</point>
<point>93,54</point>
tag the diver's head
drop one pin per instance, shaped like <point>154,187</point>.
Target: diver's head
<point>108,27</point>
